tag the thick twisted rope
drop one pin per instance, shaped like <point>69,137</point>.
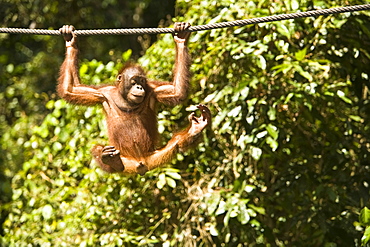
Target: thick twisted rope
<point>130,31</point>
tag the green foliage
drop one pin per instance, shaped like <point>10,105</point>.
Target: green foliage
<point>286,162</point>
<point>365,221</point>
<point>68,191</point>
<point>29,64</point>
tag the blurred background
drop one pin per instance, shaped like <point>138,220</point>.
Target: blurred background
<point>286,162</point>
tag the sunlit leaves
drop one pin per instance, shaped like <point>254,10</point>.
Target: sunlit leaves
<point>231,207</point>
<point>255,152</point>
<point>365,216</point>
<point>168,177</point>
<point>366,237</point>
<point>342,96</point>
<point>365,221</point>
<point>299,55</point>
<point>47,211</point>
<point>213,202</point>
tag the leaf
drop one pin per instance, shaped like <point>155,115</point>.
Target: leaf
<point>235,112</point>
<point>281,28</point>
<point>57,146</point>
<point>174,175</point>
<point>256,153</point>
<point>271,113</point>
<point>126,55</point>
<point>287,99</point>
<point>83,69</point>
<point>300,55</point>
<point>365,216</point>
<point>243,215</point>
<point>213,202</point>
<point>42,131</point>
<point>221,208</point>
<point>262,134</point>
<point>261,62</point>
<point>273,143</point>
<point>356,118</point>
<point>226,218</point>
<point>212,229</point>
<point>295,4</point>
<point>249,188</point>
<point>273,131</point>
<point>161,181</point>
<point>365,239</point>
<point>343,97</point>
<point>47,211</point>
<point>234,212</point>
<point>303,73</point>
<point>210,97</point>
<point>243,140</point>
<point>259,210</point>
<point>284,68</point>
<point>171,182</point>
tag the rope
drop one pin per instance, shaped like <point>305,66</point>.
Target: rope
<point>130,31</point>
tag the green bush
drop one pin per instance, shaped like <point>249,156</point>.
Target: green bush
<point>286,162</point>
